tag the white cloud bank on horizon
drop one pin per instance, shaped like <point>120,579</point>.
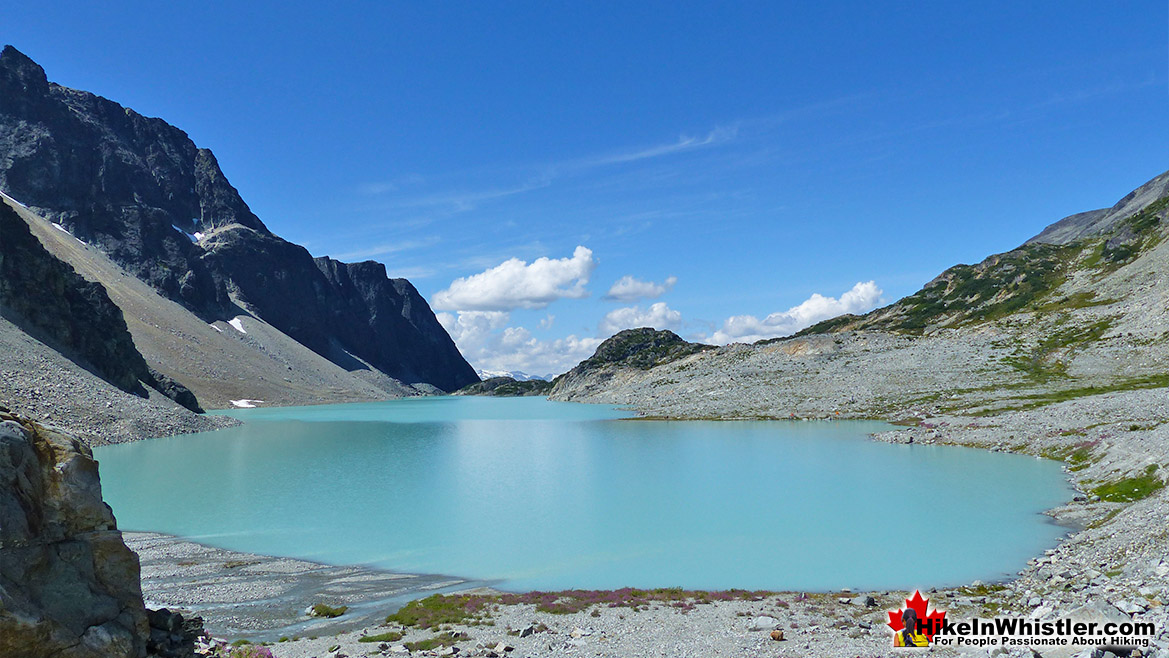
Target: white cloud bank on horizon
<point>658,316</point>
<point>863,297</point>
<point>630,289</point>
<point>479,337</point>
<point>516,284</point>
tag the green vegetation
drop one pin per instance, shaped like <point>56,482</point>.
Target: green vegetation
<point>1039,363</point>
<point>1078,456</point>
<point>1074,301</point>
<point>328,611</point>
<point>1128,239</point>
<point>838,323</point>
<point>475,609</point>
<point>441,640</point>
<point>1037,400</point>
<point>1100,522</point>
<point>1130,489</point>
<point>982,589</point>
<point>235,564</point>
<point>390,636</point>
<point>440,609</point>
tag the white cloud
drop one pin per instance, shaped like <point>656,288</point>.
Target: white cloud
<point>629,289</point>
<point>516,284</point>
<point>547,321</point>
<point>861,298</point>
<point>658,316</point>
<point>488,344</point>
<point>472,327</point>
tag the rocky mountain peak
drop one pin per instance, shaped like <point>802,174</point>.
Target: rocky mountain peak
<point>143,193</point>
<point>17,69</point>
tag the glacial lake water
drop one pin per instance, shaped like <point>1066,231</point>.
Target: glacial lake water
<point>544,495</point>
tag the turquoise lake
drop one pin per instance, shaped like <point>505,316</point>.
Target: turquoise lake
<point>544,495</point>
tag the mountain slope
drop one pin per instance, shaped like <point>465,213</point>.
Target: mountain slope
<point>140,190</point>
<point>50,300</point>
<point>1034,326</point>
<point>218,361</point>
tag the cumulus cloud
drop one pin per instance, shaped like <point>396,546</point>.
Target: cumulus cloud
<point>516,284</point>
<point>861,298</point>
<point>658,316</point>
<point>472,327</point>
<point>629,289</point>
<point>486,341</point>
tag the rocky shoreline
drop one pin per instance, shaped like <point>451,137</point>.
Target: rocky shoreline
<point>1114,564</point>
<point>263,598</point>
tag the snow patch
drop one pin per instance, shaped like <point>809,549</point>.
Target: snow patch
<point>238,324</point>
<point>66,232</point>
<point>198,236</point>
<point>246,403</point>
<point>13,200</point>
<point>188,235</point>
<point>215,328</point>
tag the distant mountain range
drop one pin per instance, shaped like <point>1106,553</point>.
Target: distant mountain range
<point>211,297</point>
<point>518,375</point>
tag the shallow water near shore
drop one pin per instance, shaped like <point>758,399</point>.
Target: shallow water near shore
<point>545,495</point>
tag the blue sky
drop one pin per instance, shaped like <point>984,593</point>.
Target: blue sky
<point>735,160</point>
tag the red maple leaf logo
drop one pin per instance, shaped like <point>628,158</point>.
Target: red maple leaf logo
<point>931,621</point>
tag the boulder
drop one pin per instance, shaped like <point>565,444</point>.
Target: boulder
<point>1097,610</point>
<point>70,586</point>
<point>763,623</point>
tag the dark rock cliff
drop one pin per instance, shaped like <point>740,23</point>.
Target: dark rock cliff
<point>48,299</point>
<point>139,189</point>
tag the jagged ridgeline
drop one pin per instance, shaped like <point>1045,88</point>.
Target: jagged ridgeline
<point>1052,272</point>
<point>139,190</point>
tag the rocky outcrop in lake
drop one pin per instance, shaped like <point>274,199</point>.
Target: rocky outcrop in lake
<point>160,207</point>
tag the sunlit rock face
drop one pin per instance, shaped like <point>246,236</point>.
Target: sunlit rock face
<point>69,586</point>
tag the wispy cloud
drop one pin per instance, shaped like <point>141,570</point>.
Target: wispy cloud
<point>533,177</point>
<point>464,200</point>
<point>684,143</point>
<point>388,248</point>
